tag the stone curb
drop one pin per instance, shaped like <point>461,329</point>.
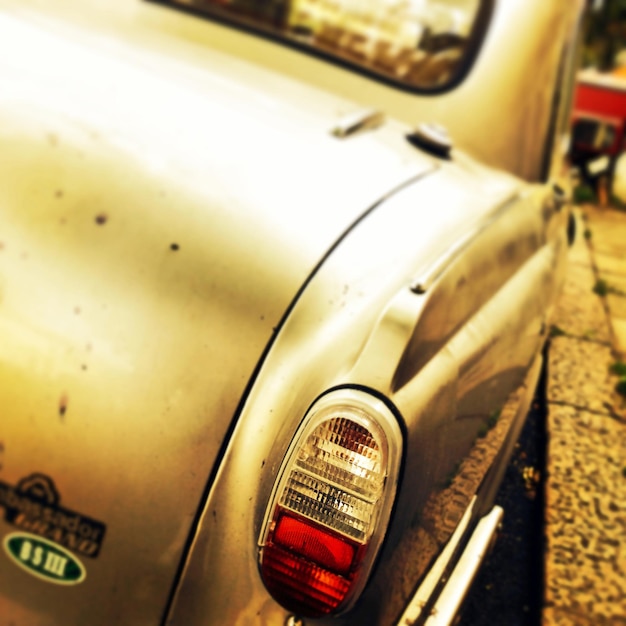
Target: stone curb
<point>585,488</point>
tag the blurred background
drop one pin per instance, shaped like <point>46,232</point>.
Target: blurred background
<point>605,41</point>
<point>599,116</point>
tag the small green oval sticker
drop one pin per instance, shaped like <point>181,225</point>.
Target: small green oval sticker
<point>44,559</point>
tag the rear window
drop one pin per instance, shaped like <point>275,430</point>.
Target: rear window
<point>417,44</point>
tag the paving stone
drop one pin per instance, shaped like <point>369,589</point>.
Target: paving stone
<point>579,375</point>
<point>585,519</point>
<point>617,302</point>
<point>579,312</point>
<point>607,228</point>
<point>619,337</point>
<point>585,557</point>
<point>610,264</point>
<point>605,240</point>
<point>559,616</point>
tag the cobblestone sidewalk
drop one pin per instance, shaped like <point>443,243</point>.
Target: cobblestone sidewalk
<point>585,560</point>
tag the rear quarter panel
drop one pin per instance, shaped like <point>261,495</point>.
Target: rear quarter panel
<point>359,324</point>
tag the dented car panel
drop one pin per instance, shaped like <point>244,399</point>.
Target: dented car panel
<point>190,256</point>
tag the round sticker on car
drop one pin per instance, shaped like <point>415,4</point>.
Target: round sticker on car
<point>44,559</point>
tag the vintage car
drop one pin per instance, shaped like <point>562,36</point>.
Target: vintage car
<point>268,333</point>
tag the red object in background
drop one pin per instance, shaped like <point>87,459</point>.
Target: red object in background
<point>603,94</point>
<point>599,118</point>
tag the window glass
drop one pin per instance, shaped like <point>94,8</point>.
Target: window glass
<point>420,43</point>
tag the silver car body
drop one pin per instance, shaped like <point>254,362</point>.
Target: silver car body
<point>189,257</point>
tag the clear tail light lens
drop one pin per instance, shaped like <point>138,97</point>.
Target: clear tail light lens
<point>331,503</point>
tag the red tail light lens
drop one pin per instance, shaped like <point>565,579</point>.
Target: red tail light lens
<point>331,504</point>
<point>309,540</point>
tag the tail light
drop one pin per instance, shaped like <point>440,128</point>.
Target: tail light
<point>331,504</point>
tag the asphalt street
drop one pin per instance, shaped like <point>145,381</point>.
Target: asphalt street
<point>509,588</point>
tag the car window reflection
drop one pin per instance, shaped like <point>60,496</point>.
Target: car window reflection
<point>421,43</point>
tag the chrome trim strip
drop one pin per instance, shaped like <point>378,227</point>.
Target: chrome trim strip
<point>452,595</point>
<point>425,590</point>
